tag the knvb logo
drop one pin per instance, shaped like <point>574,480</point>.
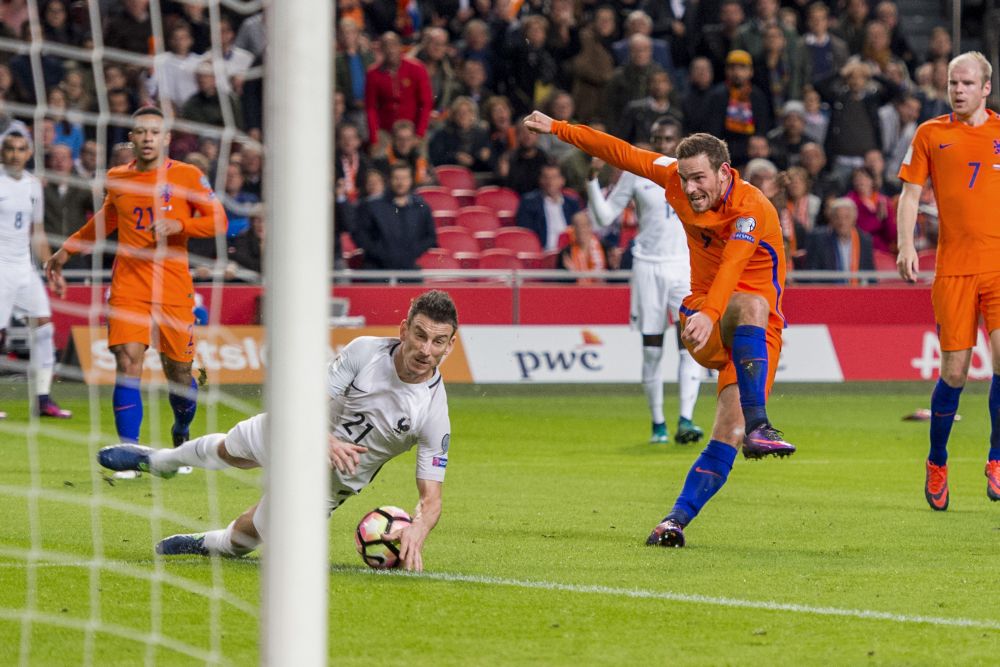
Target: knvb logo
<point>584,357</point>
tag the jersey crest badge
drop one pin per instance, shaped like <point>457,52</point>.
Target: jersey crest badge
<point>402,426</point>
<point>203,181</point>
<point>445,441</point>
<point>746,224</point>
<point>996,146</point>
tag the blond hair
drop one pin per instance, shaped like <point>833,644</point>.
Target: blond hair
<point>985,68</point>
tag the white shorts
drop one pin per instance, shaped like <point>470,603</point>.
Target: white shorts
<point>656,290</point>
<point>21,288</point>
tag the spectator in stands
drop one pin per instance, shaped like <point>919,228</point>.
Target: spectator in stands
<point>67,131</point>
<point>752,33</point>
<point>717,39</point>
<point>397,88</point>
<point>563,41</point>
<point>875,49</point>
<point>86,166</point>
<point>475,45</point>
<point>758,148</point>
<point>560,106</point>
<point>235,61</point>
<point>196,16</point>
<point>433,53</point>
<point>898,123</point>
<point>825,52</point>
<point>875,163</point>
<point>253,169</point>
<point>521,167</point>
<point>875,212</point>
<point>852,24</point>
<point>939,48</point>
<point>205,106</point>
<point>352,62</point>
<point>463,140</point>
<point>547,211</point>
<point>640,114</point>
<point>630,81</point>
<point>75,86</point>
<point>252,35</point>
<point>404,146</point>
<point>500,125</point>
<point>584,251</point>
<point>737,109</point>
<point>472,83</point>
<point>56,26</point>
<point>351,166</point>
<point>776,73</point>
<point>247,249</point>
<point>594,66</point>
<point>638,22</point>
<point>529,69</point>
<point>67,206</point>
<point>237,201</point>
<point>374,185</point>
<point>397,228</point>
<point>854,103</point>
<point>787,139</point>
<point>578,167</point>
<point>887,14</point>
<point>115,78</point>
<point>840,246</point>
<point>932,90</point>
<point>817,116</point>
<point>803,206</point>
<point>700,84</point>
<point>812,157</point>
<point>129,28</point>
<point>173,81</point>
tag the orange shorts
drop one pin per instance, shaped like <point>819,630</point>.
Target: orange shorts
<point>717,356</point>
<point>131,321</point>
<point>958,302</point>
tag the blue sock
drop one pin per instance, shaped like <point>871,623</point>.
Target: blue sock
<point>184,406</point>
<point>944,405</point>
<point>750,358</point>
<point>707,475</point>
<point>995,418</point>
<point>127,402</point>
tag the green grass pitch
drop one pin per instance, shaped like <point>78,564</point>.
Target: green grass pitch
<point>829,557</point>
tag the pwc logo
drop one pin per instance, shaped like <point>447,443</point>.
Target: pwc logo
<point>585,356</point>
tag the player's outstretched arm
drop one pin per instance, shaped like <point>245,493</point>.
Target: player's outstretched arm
<point>906,221</point>
<point>411,538</point>
<point>53,271</point>
<point>604,146</point>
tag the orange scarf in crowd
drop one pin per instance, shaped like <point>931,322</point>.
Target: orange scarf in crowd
<point>419,169</point>
<point>739,111</point>
<point>855,255</point>
<point>590,258</point>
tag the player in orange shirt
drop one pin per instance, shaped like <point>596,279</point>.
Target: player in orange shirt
<point>960,153</point>
<point>155,204</point>
<point>732,319</point>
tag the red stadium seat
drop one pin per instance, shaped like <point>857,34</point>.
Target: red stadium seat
<point>884,261</point>
<point>486,240</point>
<point>477,219</point>
<point>443,218</point>
<point>439,199</point>
<point>467,260</point>
<point>503,201</point>
<point>437,258</point>
<point>459,180</point>
<point>517,239</point>
<point>539,260</point>
<point>457,239</point>
<point>498,258</point>
<point>927,260</point>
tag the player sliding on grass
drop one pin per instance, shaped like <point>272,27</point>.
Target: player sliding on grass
<point>732,319</point>
<point>960,153</point>
<point>386,395</point>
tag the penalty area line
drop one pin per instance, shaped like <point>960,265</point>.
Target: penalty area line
<point>735,603</point>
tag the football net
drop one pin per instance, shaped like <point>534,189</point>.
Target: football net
<point>81,581</point>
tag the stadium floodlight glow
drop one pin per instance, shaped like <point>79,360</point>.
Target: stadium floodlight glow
<point>297,191</point>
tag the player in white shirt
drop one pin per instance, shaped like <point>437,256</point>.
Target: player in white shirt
<point>21,227</point>
<point>661,278</point>
<point>386,396</point>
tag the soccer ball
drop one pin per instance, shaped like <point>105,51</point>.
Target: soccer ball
<point>375,551</point>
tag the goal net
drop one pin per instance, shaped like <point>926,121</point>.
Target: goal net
<point>82,583</point>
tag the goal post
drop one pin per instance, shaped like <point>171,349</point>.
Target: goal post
<point>298,191</point>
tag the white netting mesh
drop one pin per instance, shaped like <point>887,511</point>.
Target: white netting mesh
<point>81,583</point>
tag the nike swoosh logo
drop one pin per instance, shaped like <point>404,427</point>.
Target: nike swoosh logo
<point>942,146</point>
<point>939,497</point>
<point>119,408</point>
<point>707,472</point>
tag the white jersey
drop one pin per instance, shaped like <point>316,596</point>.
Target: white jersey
<point>661,236</point>
<point>21,205</point>
<point>371,406</point>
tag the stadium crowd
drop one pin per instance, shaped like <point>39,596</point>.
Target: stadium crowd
<point>817,101</point>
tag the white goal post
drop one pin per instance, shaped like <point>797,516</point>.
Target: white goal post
<point>298,190</point>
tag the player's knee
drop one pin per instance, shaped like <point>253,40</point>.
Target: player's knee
<point>750,309</point>
<point>231,460</point>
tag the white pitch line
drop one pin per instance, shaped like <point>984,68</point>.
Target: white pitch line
<point>737,603</point>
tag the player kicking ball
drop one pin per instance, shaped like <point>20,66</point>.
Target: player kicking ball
<point>732,319</point>
<point>386,395</point>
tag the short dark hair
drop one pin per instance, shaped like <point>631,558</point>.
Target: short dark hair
<point>700,143</point>
<point>399,165</point>
<point>147,111</point>
<point>435,305</point>
<point>666,121</point>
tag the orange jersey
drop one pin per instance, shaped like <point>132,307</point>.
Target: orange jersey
<point>145,270</point>
<point>736,247</point>
<point>963,163</point>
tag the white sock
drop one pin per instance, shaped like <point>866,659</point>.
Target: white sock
<point>201,452</point>
<point>43,357</point>
<point>652,381</point>
<point>689,374</point>
<point>229,542</point>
